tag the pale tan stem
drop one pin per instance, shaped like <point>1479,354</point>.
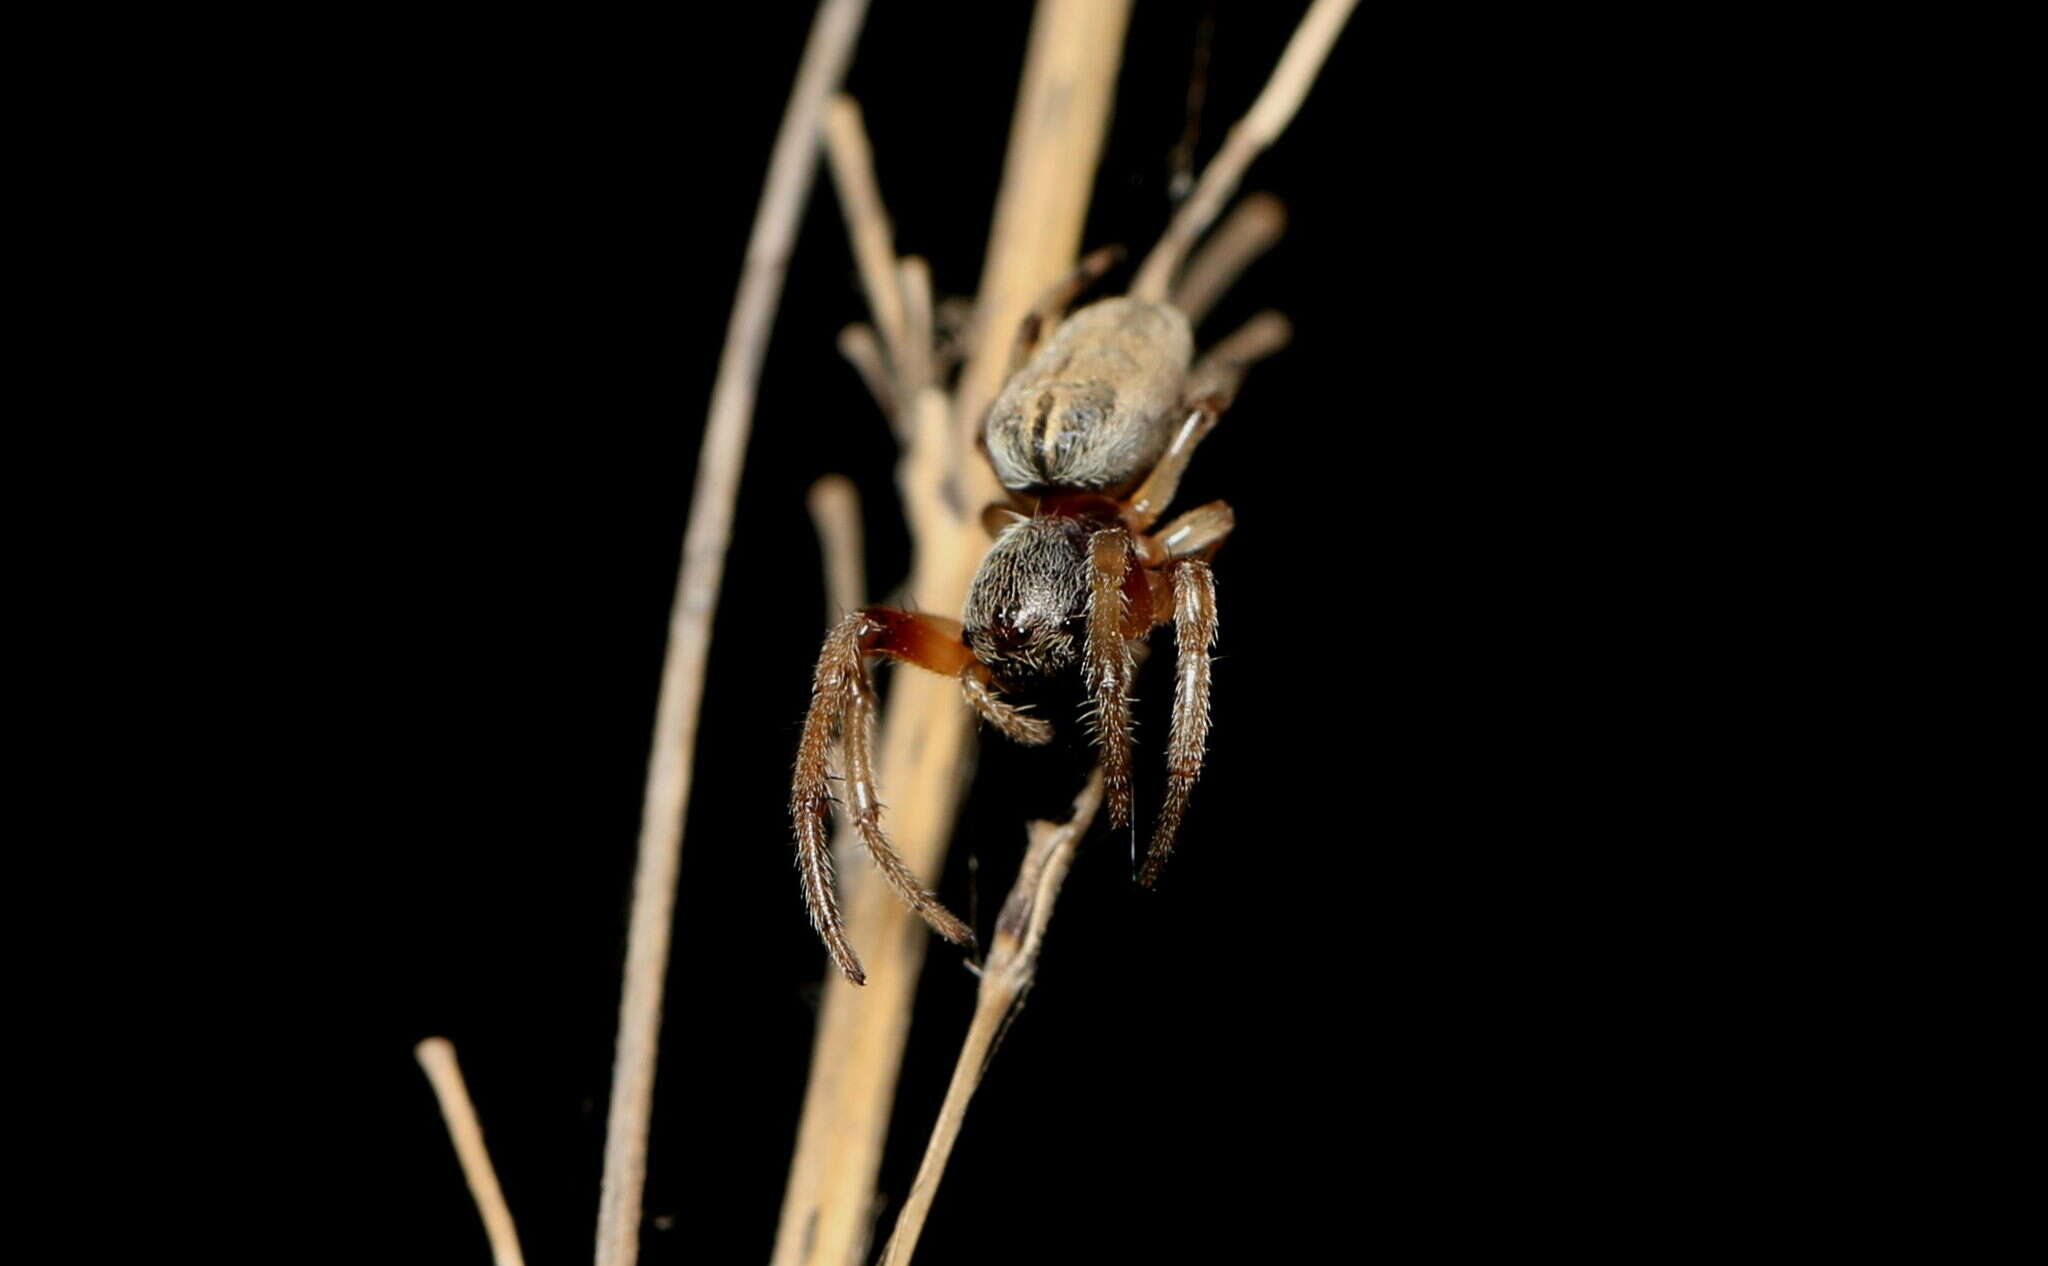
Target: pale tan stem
<point>1249,231</point>
<point>1006,976</point>
<point>862,350</point>
<point>1056,141</point>
<point>437,1056</point>
<point>835,511</point>
<point>791,167</point>
<point>1048,174</point>
<point>914,369</point>
<point>852,161</point>
<point>1259,128</point>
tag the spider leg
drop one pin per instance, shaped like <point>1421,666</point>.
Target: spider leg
<point>1211,387</point>
<point>1194,624</point>
<point>1196,532</point>
<point>866,811</point>
<point>1153,496</point>
<point>1221,370</point>
<point>1107,665</point>
<point>843,704</point>
<point>978,684</point>
<point>839,663</point>
<point>1046,313</point>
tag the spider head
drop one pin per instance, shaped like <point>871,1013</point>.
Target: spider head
<point>1028,606</point>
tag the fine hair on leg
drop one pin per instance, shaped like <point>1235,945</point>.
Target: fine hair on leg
<point>842,711</point>
<point>810,794</point>
<point>866,811</point>
<point>1107,666</point>
<point>1194,624</point>
<point>1007,717</point>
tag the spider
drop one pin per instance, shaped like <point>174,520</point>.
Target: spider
<point>1090,438</point>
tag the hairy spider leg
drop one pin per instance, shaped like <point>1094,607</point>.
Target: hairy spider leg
<point>1194,627</point>
<point>1107,664</point>
<point>843,706</point>
<point>979,686</point>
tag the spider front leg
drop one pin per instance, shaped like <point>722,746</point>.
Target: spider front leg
<point>843,705</point>
<point>1108,663</point>
<point>978,685</point>
<point>1194,627</point>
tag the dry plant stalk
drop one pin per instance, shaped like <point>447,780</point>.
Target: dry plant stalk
<point>667,797</point>
<point>1056,139</point>
<point>1012,962</point>
<point>1006,977</point>
<point>835,511</point>
<point>437,1056</point>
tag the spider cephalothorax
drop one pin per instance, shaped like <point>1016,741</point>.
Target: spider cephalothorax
<point>1027,609</point>
<point>1090,438</point>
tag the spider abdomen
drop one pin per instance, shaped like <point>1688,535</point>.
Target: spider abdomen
<point>1094,407</point>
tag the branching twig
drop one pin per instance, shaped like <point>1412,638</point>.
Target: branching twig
<point>1056,139</point>
<point>1261,125</point>
<point>437,1056</point>
<point>862,350</point>
<point>867,224</point>
<point>915,368</point>
<point>1006,976</point>
<point>790,169</point>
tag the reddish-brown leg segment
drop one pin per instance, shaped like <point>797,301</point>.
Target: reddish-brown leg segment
<point>1194,624</point>
<point>843,705</point>
<point>1149,501</point>
<point>1211,387</point>
<point>1196,532</point>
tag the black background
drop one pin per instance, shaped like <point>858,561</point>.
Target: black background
<point>1412,970</point>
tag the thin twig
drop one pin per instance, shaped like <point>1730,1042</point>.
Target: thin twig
<point>1006,976</point>
<point>852,161</point>
<point>915,369</point>
<point>862,350</point>
<point>1249,231</point>
<point>790,170</point>
<point>1260,127</point>
<point>437,1056</point>
<point>835,510</point>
